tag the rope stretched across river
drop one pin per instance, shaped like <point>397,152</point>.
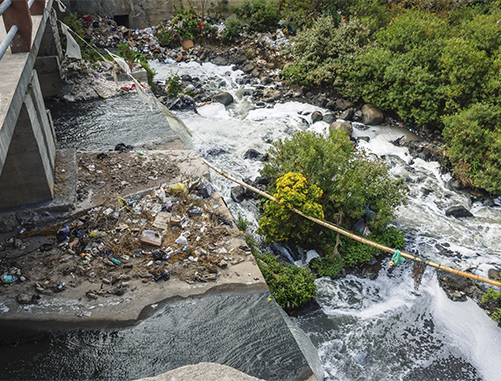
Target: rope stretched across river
<point>331,226</point>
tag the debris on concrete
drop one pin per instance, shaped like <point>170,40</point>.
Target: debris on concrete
<point>141,221</point>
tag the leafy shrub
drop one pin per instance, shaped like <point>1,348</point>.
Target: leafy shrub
<point>494,296</point>
<point>167,37</point>
<point>260,15</point>
<point>326,267</point>
<point>278,222</point>
<point>232,30</point>
<point>187,24</point>
<point>174,86</point>
<point>350,179</point>
<point>402,71</point>
<point>288,284</point>
<point>242,223</point>
<point>474,140</point>
<point>324,52</point>
<point>132,57</point>
<point>355,252</point>
<point>216,10</point>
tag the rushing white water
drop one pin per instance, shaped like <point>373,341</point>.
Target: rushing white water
<point>381,329</point>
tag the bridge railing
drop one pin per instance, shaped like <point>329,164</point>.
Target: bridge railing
<point>16,16</point>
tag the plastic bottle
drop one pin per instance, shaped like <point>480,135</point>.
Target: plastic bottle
<point>8,278</point>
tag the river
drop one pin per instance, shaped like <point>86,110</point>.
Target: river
<point>380,329</point>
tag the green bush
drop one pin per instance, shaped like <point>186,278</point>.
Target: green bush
<point>401,72</point>
<point>132,57</point>
<point>350,180</point>
<point>326,267</point>
<point>174,86</point>
<point>187,24</point>
<point>232,30</point>
<point>495,296</point>
<point>324,53</point>
<point>289,285</point>
<point>278,222</point>
<point>260,15</point>
<point>474,140</point>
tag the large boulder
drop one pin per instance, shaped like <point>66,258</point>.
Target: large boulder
<point>343,104</point>
<point>248,68</point>
<point>458,212</point>
<point>372,115</point>
<point>219,60</point>
<point>224,98</point>
<point>329,118</point>
<point>316,116</point>
<point>347,114</point>
<point>344,126</point>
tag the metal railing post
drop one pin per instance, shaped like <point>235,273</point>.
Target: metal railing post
<point>37,7</point>
<point>19,14</point>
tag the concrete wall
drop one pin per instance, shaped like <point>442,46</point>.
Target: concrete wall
<point>141,13</point>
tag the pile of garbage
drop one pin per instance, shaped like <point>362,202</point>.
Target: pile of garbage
<point>177,230</point>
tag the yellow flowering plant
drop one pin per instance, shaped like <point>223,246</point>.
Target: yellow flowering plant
<point>278,222</point>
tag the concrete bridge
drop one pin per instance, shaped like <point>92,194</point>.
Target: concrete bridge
<point>27,138</point>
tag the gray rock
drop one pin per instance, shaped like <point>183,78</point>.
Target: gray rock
<point>316,116</point>
<point>253,154</point>
<point>256,72</point>
<point>8,222</point>
<point>372,115</point>
<point>329,118</point>
<point>493,274</point>
<point>238,193</point>
<point>224,98</point>
<point>219,60</point>
<point>458,212</point>
<point>248,68</point>
<point>347,114</point>
<point>364,138</point>
<point>331,105</point>
<point>343,104</point>
<point>345,126</point>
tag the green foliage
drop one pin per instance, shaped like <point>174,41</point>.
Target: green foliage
<point>132,57</point>
<point>355,252</point>
<point>401,71</point>
<point>189,92</point>
<point>350,181</point>
<point>278,222</point>
<point>326,267</point>
<point>232,30</point>
<point>242,223</point>
<point>474,140</point>
<point>260,15</point>
<point>288,284</point>
<point>324,52</point>
<point>88,53</point>
<point>217,10</point>
<point>126,52</point>
<point>495,296</point>
<point>349,178</point>
<point>167,37</point>
<point>174,86</point>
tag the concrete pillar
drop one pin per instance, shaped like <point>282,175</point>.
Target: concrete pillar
<point>27,176</point>
<point>48,61</point>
